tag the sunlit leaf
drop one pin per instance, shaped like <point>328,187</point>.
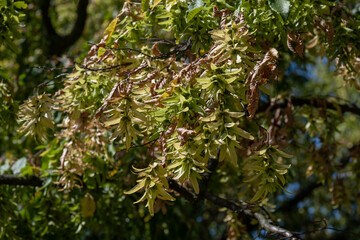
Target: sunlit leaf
<point>110,29</point>
<point>282,7</point>
<point>194,8</point>
<point>136,188</point>
<point>156,2</point>
<point>18,165</point>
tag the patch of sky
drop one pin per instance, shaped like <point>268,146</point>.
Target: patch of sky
<point>354,208</point>
<point>336,214</point>
<point>281,198</point>
<point>314,72</point>
<point>258,235</point>
<point>212,232</point>
<point>264,98</point>
<point>306,71</point>
<point>317,142</point>
<point>303,204</point>
<point>341,175</point>
<point>332,66</point>
<point>311,210</point>
<point>323,210</point>
<point>292,188</point>
<point>330,231</point>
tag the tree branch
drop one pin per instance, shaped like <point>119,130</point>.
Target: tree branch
<point>264,222</point>
<point>174,185</point>
<point>23,181</point>
<point>58,44</point>
<point>316,102</point>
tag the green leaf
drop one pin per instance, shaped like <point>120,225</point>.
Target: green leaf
<point>208,118</point>
<point>4,168</point>
<point>150,205</point>
<point>194,182</point>
<point>20,4</point>
<point>232,154</point>
<point>238,6</point>
<point>259,194</point>
<point>4,75</point>
<point>283,154</point>
<point>236,114</point>
<point>154,137</point>
<point>242,133</point>
<point>18,165</point>
<point>203,80</point>
<point>230,80</point>
<point>143,197</point>
<point>112,121</point>
<point>280,177</point>
<point>213,66</point>
<point>162,194</point>
<point>101,51</point>
<point>174,165</point>
<point>252,178</point>
<point>137,187</point>
<point>26,171</point>
<point>156,2</point>
<point>185,110</point>
<point>110,29</point>
<point>282,7</point>
<point>9,42</point>
<point>88,205</point>
<point>194,8</point>
<point>229,125</point>
<point>145,5</point>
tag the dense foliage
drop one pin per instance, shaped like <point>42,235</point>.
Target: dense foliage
<point>235,119</point>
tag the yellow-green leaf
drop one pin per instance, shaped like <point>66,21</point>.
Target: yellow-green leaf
<point>88,205</point>
<point>230,80</point>
<point>242,133</point>
<point>110,29</point>
<point>259,194</point>
<point>194,182</point>
<point>283,154</point>
<point>156,2</point>
<point>208,118</point>
<point>137,187</point>
<point>112,121</point>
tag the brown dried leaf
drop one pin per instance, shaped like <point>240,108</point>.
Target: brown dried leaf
<point>162,141</point>
<point>326,27</point>
<point>253,101</point>
<point>63,157</point>
<point>155,49</point>
<point>295,44</point>
<point>184,134</point>
<point>152,75</point>
<point>264,71</point>
<point>330,32</point>
<point>170,130</point>
<point>289,118</point>
<point>216,12</point>
<point>271,55</point>
<point>114,94</point>
<point>259,143</point>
